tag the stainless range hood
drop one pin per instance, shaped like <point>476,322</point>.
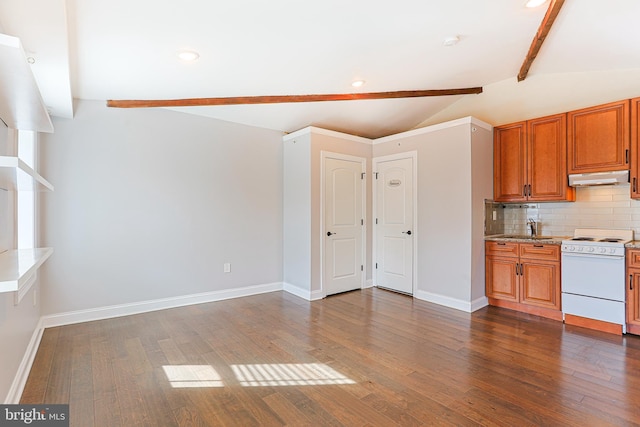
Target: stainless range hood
<point>598,178</point>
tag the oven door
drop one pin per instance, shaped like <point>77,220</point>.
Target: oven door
<point>594,276</point>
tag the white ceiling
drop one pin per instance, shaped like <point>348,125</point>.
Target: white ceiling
<point>126,49</point>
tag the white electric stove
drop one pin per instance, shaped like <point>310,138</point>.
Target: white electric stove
<point>593,274</point>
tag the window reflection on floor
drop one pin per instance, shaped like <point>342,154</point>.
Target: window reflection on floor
<point>288,374</point>
<point>255,375</point>
<point>191,376</point>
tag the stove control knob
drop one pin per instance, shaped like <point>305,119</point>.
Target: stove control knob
<point>591,249</point>
<point>612,250</point>
<point>571,248</point>
<point>603,250</point>
<point>580,248</point>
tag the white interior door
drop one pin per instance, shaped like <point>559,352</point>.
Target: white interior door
<point>343,225</point>
<point>394,224</point>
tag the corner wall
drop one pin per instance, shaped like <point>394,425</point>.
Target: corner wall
<point>451,191</point>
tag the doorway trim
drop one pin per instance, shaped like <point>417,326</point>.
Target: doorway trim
<point>374,208</point>
<point>363,161</point>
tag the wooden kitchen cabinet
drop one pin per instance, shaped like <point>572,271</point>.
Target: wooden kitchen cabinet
<point>509,162</point>
<point>634,163</point>
<point>598,138</point>
<point>633,291</point>
<point>524,277</point>
<point>530,161</point>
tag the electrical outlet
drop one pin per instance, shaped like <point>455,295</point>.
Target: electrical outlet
<point>227,267</point>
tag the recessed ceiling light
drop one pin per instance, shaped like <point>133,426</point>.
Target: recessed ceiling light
<point>535,3</point>
<point>188,55</point>
<point>451,41</point>
<point>357,83</point>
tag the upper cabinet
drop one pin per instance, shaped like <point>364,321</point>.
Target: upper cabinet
<point>598,138</point>
<point>635,149</point>
<point>509,162</point>
<point>530,161</point>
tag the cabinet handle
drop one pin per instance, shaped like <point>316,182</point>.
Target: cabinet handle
<point>524,191</point>
<point>517,269</point>
<point>635,183</point>
<point>529,190</point>
<point>538,246</point>
<point>521,269</point>
<point>631,282</point>
<point>626,156</point>
<point>502,244</point>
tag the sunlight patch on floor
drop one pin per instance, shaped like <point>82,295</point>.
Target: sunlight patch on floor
<point>192,376</point>
<point>283,374</point>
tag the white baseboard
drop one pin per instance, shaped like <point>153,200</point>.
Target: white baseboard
<point>302,293</point>
<point>479,303</point>
<point>153,305</point>
<point>20,379</point>
<point>446,301</point>
<point>368,284</point>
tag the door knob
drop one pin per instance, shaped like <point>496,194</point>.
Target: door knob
<point>330,233</point>
<point>407,232</point>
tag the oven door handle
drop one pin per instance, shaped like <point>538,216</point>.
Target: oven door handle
<point>574,255</point>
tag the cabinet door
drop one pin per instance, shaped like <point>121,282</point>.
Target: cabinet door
<point>598,138</point>
<point>633,301</point>
<point>509,160</point>
<point>635,149</point>
<point>502,278</point>
<point>547,159</point>
<point>540,283</point>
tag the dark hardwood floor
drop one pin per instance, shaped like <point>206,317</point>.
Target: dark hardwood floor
<point>364,358</point>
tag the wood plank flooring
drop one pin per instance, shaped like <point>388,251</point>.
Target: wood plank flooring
<point>364,358</point>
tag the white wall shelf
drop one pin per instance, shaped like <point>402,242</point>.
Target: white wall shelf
<point>17,175</point>
<point>18,265</point>
<point>21,105</point>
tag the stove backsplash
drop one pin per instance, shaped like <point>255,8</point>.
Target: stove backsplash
<point>608,206</point>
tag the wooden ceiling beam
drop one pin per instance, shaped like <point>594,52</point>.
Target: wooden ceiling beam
<point>239,100</point>
<point>541,35</point>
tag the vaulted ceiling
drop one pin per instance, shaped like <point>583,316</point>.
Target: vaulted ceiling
<point>127,49</point>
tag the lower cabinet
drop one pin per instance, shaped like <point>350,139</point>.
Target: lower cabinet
<point>633,291</point>
<point>524,277</point>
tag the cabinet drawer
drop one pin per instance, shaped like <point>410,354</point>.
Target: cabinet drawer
<point>540,251</point>
<point>501,249</point>
<point>633,258</point>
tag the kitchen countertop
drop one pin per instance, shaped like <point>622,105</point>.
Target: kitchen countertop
<point>634,244</point>
<point>547,240</point>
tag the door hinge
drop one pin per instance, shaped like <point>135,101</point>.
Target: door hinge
<point>376,175</point>
<point>361,268</point>
<point>376,265</point>
<point>362,222</point>
<point>376,221</point>
<point>362,175</point>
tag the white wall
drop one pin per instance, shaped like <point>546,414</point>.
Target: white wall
<point>150,203</point>
<point>297,212</point>
<point>510,101</point>
<point>481,189</point>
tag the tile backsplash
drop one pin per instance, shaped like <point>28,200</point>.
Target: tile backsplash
<point>607,206</point>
